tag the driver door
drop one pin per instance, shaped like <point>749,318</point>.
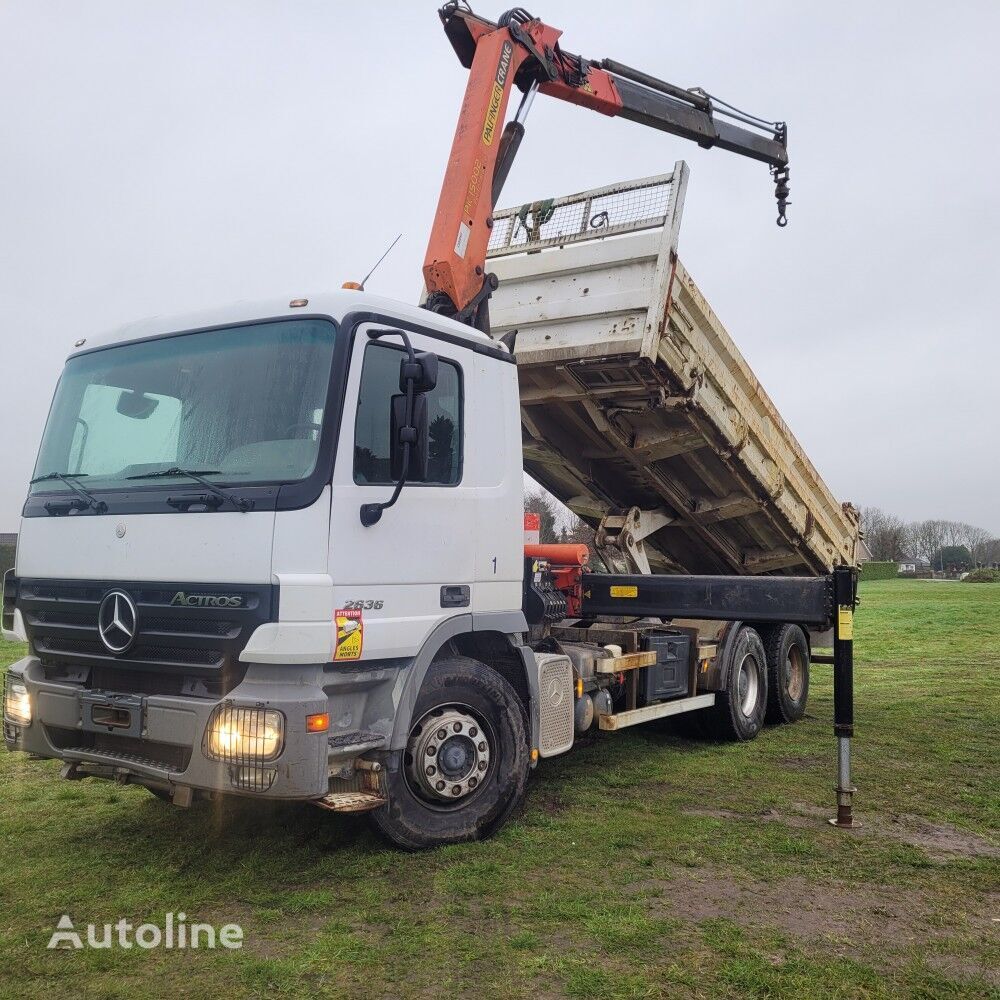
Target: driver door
<point>395,581</point>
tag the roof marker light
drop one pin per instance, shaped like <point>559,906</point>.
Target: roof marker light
<point>298,303</point>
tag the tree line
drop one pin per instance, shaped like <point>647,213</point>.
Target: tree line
<point>941,543</point>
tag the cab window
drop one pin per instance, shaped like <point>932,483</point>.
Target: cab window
<point>379,383</point>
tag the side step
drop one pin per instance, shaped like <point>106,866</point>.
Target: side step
<point>350,802</point>
<point>659,711</point>
<point>355,743</point>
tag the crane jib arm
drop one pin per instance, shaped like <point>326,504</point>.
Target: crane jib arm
<point>522,51</point>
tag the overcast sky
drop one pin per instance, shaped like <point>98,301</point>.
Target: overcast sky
<point>159,157</point>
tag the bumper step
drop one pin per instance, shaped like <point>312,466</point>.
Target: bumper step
<point>117,758</point>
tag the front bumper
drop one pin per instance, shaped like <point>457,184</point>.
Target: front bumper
<point>168,750</point>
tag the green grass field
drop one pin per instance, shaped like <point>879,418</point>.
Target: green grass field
<point>644,864</point>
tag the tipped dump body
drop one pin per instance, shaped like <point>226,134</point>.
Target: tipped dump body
<point>633,393</point>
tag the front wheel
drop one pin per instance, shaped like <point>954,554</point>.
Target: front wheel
<point>465,766</point>
<point>738,712</point>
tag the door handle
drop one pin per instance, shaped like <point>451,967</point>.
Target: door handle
<point>455,596</point>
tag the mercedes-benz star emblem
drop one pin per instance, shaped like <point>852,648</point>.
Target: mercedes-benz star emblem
<point>116,621</point>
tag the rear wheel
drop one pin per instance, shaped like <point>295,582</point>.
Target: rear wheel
<point>738,712</point>
<point>465,766</point>
<point>787,674</point>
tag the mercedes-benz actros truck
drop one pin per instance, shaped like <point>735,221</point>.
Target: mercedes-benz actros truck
<point>277,550</point>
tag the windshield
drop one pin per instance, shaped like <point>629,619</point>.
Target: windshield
<point>244,404</point>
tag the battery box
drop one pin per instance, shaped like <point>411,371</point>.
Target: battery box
<point>668,677</point>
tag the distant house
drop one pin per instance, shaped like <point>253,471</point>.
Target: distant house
<point>914,566</point>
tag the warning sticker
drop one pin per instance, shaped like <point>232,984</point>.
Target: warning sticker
<point>462,242</point>
<point>624,591</point>
<point>350,634</point>
<point>845,622</point>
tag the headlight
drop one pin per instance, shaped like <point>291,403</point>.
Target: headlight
<point>16,703</point>
<point>244,735</point>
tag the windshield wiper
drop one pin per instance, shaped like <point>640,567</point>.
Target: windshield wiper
<point>67,477</point>
<point>242,503</point>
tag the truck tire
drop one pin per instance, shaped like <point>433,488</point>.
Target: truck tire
<point>738,712</point>
<point>787,673</point>
<point>465,766</point>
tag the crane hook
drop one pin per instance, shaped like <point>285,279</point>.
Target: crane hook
<point>781,192</point>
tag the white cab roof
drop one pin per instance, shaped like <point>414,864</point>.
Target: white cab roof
<point>334,304</point>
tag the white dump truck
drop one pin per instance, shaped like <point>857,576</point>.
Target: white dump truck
<point>211,608</point>
<point>276,550</point>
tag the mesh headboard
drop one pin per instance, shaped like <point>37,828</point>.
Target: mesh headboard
<point>647,203</point>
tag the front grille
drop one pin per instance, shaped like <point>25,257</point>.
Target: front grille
<point>53,590</point>
<point>151,623</point>
<point>136,681</point>
<point>50,650</point>
<point>194,626</point>
<point>61,617</point>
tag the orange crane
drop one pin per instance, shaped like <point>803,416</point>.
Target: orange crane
<point>520,50</point>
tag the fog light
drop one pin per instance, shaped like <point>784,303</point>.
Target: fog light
<point>16,703</point>
<point>244,735</point>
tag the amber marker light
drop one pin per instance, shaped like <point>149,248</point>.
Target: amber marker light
<point>318,723</point>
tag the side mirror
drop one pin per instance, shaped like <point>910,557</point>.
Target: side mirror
<point>423,370</point>
<point>409,444</point>
<point>419,441</point>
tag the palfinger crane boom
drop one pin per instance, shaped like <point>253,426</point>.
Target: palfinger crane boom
<point>519,50</point>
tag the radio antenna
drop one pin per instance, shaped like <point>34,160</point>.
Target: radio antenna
<point>364,281</point>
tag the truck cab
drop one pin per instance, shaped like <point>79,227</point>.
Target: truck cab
<point>204,607</point>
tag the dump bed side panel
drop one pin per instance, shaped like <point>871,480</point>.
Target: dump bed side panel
<point>633,394</point>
